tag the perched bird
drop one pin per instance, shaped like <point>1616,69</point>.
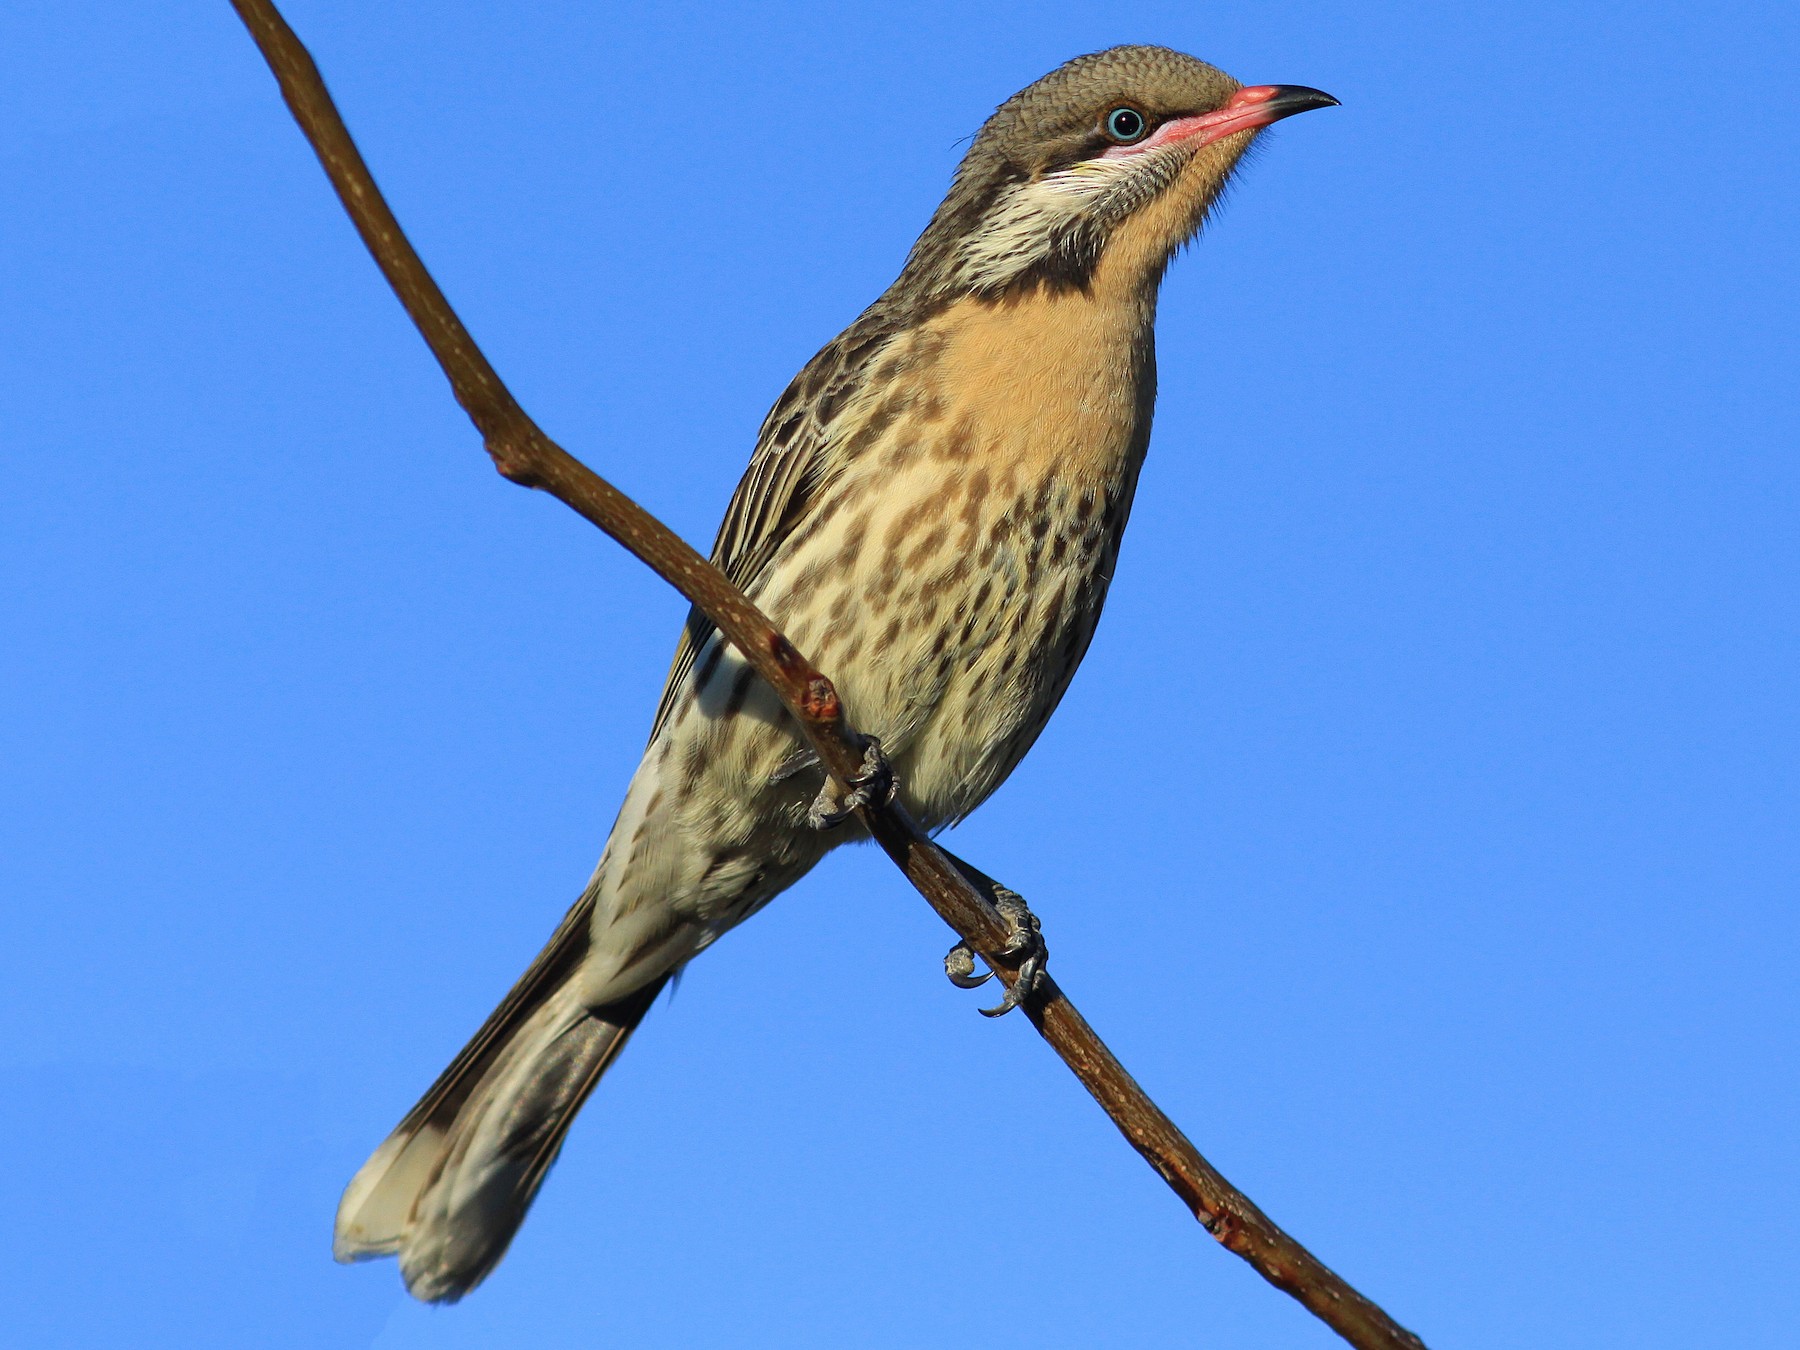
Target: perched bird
<point>932,514</point>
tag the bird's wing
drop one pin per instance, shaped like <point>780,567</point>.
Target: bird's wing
<point>789,468</point>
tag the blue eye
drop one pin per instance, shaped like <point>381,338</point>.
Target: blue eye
<point>1126,125</point>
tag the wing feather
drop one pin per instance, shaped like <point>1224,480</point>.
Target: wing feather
<point>788,470</point>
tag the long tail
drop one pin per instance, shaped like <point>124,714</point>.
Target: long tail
<point>449,1187</point>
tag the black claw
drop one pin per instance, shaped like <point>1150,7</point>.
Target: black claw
<point>1012,999</point>
<point>1031,969</point>
<point>823,817</point>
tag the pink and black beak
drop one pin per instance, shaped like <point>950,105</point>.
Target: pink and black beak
<point>1281,100</point>
<point>1251,109</point>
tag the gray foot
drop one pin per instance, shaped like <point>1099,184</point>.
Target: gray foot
<point>1026,943</point>
<point>873,785</point>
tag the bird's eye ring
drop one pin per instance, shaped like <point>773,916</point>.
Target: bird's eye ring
<point>1126,125</point>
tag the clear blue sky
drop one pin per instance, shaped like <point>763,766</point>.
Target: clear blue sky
<point>1421,828</point>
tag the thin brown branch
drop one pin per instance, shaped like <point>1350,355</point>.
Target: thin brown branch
<point>525,455</point>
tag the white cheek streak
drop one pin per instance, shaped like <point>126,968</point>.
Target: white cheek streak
<point>1030,218</point>
<point>1088,178</point>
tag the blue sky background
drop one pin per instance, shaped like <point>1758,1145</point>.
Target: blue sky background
<point>1421,829</point>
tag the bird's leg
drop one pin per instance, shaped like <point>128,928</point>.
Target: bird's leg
<point>873,785</point>
<point>1025,944</point>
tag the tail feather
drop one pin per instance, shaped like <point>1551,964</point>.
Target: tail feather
<point>448,1189</point>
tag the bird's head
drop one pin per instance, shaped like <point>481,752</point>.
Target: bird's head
<point>1111,160</point>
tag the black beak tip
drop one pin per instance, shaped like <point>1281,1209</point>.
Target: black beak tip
<point>1299,98</point>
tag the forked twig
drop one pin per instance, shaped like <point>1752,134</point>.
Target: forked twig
<point>525,455</point>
